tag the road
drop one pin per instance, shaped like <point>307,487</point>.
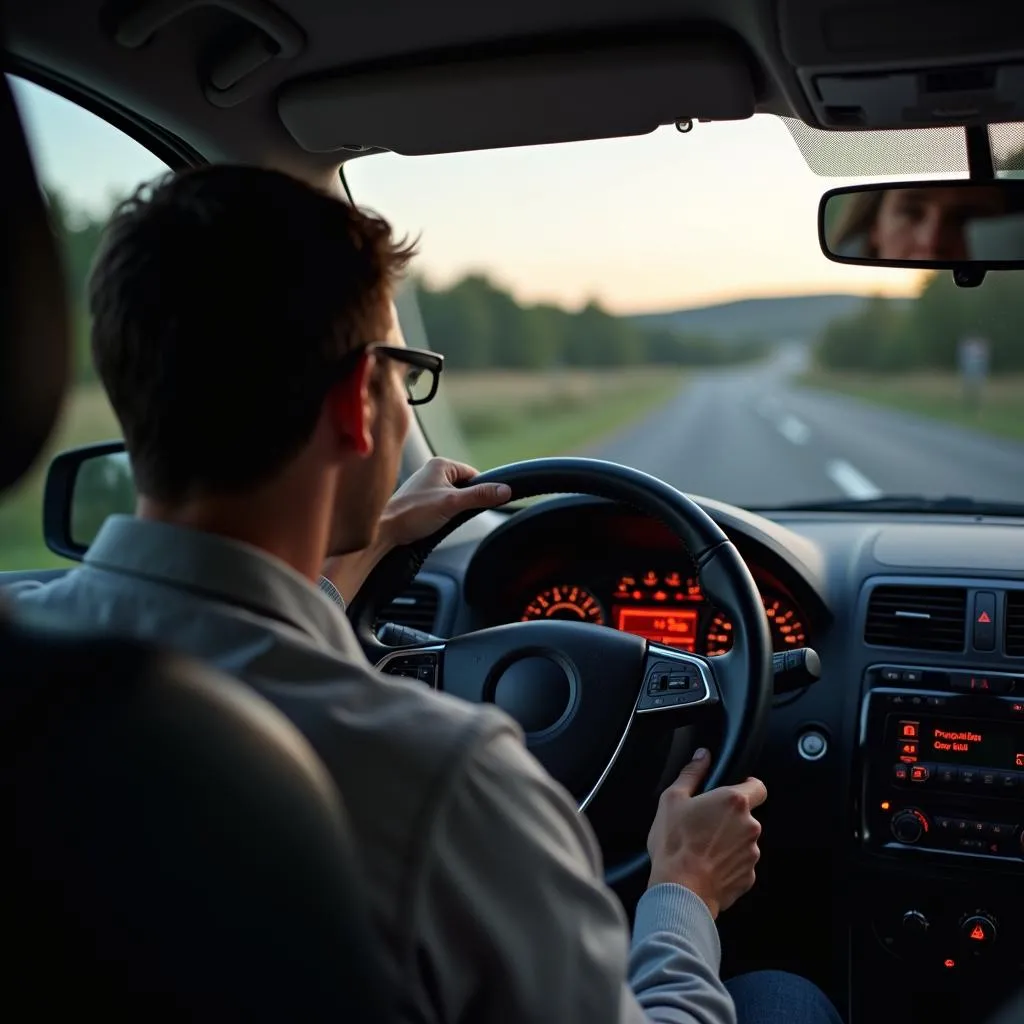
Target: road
<point>749,436</point>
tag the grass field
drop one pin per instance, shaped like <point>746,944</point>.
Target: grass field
<point>503,417</point>
<point>936,395</point>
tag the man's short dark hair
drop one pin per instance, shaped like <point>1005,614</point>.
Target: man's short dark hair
<point>221,300</point>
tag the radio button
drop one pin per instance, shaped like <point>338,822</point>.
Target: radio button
<point>974,845</point>
<point>974,682</point>
<point>968,777</point>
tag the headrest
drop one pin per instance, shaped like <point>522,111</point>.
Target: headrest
<point>34,344</point>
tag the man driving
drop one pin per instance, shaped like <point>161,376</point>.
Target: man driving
<point>243,327</point>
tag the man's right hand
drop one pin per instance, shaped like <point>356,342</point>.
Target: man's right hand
<point>707,843</point>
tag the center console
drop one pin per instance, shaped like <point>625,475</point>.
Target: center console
<point>939,822</point>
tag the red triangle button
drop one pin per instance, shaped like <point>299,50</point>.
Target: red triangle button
<point>984,617</point>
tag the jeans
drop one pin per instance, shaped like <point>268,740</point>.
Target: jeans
<point>777,997</point>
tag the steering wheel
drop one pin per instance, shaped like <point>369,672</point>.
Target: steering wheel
<point>577,689</point>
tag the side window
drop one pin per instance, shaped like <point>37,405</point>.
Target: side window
<point>85,166</point>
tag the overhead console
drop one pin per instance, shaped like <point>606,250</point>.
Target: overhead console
<point>906,65</point>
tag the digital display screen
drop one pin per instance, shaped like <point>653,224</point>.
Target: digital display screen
<point>675,627</point>
<point>976,742</point>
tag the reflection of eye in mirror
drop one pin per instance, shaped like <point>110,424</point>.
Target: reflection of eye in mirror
<point>103,485</point>
<point>927,224</point>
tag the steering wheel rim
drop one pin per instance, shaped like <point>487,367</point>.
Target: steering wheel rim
<point>743,677</point>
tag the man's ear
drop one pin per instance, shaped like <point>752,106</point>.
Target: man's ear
<point>351,408</point>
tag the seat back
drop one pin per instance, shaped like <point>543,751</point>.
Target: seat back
<point>174,848</point>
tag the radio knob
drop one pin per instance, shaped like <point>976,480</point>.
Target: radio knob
<point>908,826</point>
<point>915,923</point>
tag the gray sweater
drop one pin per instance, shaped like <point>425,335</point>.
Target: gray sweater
<point>486,883</point>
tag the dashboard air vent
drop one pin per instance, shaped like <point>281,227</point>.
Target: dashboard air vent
<point>415,608</point>
<point>918,618</point>
<point>1015,623</point>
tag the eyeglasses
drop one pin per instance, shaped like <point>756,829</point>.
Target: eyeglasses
<point>422,373</point>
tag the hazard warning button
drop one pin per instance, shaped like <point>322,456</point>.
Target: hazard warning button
<point>984,621</point>
<point>978,932</point>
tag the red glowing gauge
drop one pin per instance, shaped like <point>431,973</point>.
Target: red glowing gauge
<point>565,602</point>
<point>784,621</point>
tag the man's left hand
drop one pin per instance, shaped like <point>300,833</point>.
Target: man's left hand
<point>433,495</point>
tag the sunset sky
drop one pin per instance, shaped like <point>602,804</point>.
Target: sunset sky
<point>658,222</point>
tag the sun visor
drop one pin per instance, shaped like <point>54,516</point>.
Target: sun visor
<point>519,100</point>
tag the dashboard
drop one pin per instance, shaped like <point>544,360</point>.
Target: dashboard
<point>909,862</point>
<point>892,850</point>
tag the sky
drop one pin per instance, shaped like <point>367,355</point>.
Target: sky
<point>653,223</point>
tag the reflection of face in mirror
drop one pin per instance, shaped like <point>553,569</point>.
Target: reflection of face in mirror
<point>103,486</point>
<point>917,224</point>
<point>928,224</point>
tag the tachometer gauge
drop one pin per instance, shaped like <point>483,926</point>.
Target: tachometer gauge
<point>566,602</point>
<point>784,622</point>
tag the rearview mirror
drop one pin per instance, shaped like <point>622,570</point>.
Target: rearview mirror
<point>83,487</point>
<point>926,224</point>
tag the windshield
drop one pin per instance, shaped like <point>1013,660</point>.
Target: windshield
<point>662,301</point>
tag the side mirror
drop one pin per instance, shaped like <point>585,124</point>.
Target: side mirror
<point>84,486</point>
<point>934,225</point>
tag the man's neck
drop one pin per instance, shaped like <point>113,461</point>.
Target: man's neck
<point>290,533</point>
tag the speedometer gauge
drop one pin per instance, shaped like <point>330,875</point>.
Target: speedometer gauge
<point>784,621</point>
<point>566,602</point>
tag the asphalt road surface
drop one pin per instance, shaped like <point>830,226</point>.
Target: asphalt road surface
<point>748,436</point>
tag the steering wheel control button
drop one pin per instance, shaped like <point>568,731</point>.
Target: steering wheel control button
<point>673,680</point>
<point>978,932</point>
<point>812,745</point>
<point>536,691</point>
<point>419,665</point>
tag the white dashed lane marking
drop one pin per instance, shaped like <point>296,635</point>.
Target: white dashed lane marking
<point>851,481</point>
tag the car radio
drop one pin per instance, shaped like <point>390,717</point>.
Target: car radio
<point>943,772</point>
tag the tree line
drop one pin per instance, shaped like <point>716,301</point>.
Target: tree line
<point>924,333</point>
<point>475,323</point>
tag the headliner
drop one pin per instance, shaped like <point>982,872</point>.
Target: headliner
<point>388,74</point>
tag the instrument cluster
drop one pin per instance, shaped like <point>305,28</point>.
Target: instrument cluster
<point>662,604</point>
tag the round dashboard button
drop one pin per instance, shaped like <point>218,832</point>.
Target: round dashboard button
<point>978,932</point>
<point>812,745</point>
